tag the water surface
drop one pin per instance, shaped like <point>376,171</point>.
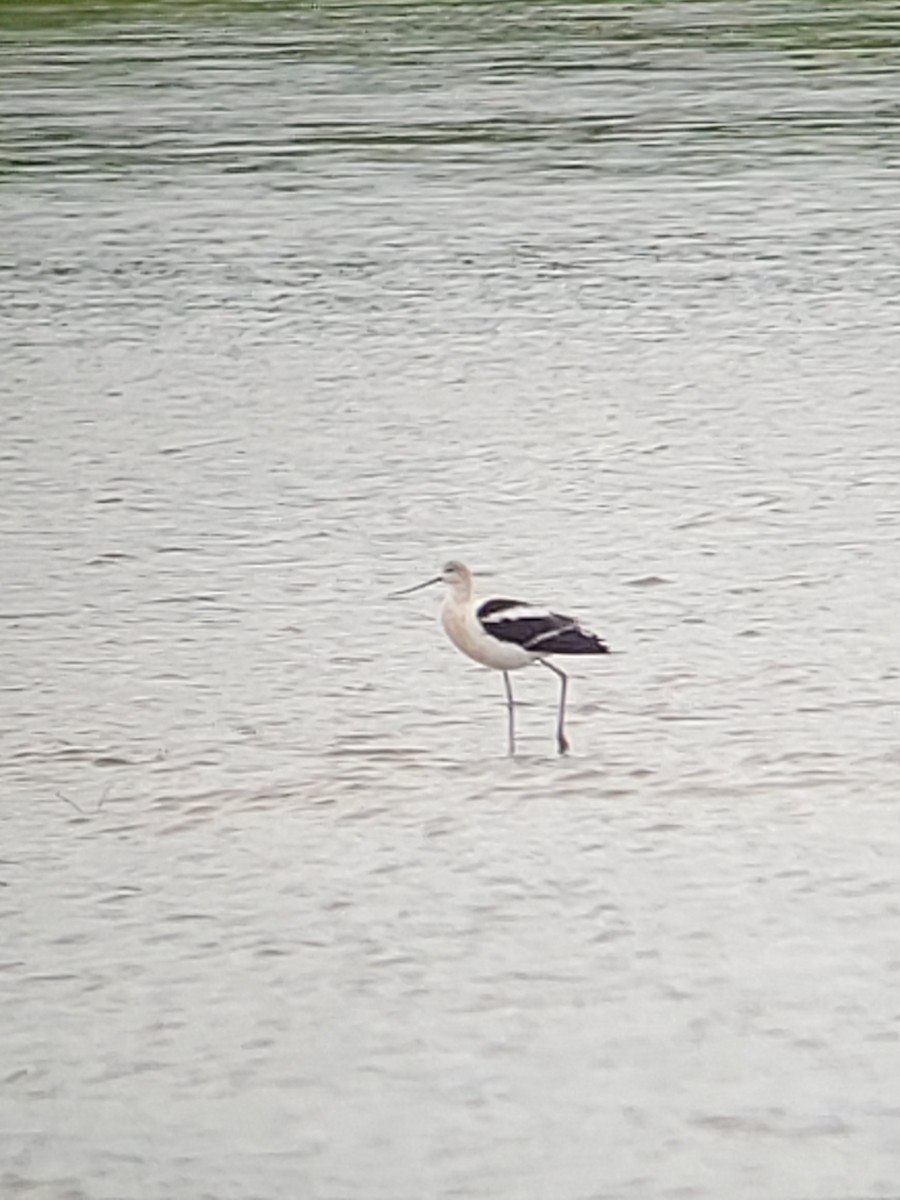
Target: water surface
<point>297,303</point>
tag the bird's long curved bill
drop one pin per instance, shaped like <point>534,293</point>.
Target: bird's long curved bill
<point>418,587</point>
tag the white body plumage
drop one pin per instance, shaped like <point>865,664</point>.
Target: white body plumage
<point>464,629</point>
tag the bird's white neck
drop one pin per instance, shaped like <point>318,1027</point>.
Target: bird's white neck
<point>460,591</point>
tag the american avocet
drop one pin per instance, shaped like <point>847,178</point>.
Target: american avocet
<point>509,634</point>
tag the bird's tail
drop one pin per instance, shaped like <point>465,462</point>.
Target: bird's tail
<point>572,640</point>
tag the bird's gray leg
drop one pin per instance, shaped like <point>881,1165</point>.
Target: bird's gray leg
<point>561,741</point>
<point>512,713</point>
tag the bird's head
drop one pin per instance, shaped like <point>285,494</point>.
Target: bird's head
<point>454,574</point>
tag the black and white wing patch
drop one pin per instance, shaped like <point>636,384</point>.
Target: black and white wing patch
<point>536,629</point>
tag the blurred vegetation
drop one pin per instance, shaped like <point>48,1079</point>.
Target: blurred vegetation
<point>810,27</point>
<point>51,50</point>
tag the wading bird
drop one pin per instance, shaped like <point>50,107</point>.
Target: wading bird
<point>509,634</point>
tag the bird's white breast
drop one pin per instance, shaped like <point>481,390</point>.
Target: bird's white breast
<point>464,630</point>
<point>453,618</point>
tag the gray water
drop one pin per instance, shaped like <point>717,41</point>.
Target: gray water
<point>298,302</point>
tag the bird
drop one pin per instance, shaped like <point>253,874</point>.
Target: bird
<point>507,634</point>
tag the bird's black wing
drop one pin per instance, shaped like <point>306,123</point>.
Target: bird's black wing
<point>536,629</point>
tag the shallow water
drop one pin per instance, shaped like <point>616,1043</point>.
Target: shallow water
<point>296,305</point>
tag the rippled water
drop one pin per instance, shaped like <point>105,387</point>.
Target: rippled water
<point>298,302</point>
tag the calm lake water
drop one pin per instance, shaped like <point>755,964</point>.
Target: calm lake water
<point>298,302</point>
